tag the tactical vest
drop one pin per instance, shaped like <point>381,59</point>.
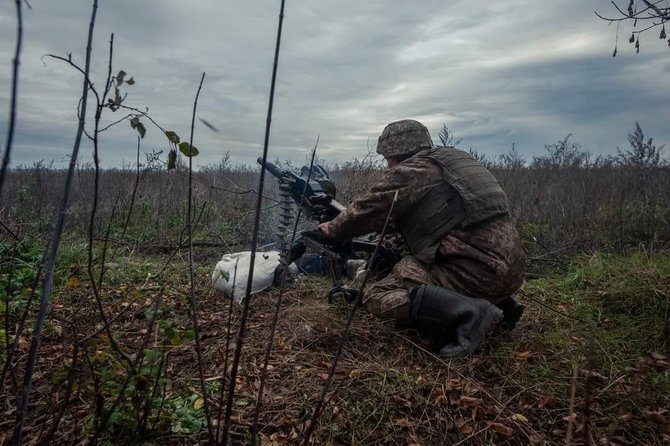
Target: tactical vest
<point>469,195</point>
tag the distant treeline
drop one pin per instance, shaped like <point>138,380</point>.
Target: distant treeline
<point>564,200</point>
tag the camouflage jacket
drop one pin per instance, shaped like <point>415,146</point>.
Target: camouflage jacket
<point>412,179</point>
<point>484,260</point>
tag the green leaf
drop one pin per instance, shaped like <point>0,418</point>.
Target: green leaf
<point>225,275</point>
<point>141,130</point>
<point>137,125</point>
<point>119,77</point>
<point>172,160</point>
<point>188,150</point>
<point>172,137</point>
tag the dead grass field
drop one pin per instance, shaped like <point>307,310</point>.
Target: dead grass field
<point>596,373</point>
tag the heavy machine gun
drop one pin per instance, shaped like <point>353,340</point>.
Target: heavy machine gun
<point>318,201</point>
<point>315,194</point>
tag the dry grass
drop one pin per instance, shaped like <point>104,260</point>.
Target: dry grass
<point>389,387</point>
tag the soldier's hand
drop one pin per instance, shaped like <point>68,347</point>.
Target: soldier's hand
<point>325,229</point>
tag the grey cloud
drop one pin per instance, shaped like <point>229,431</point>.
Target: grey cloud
<point>496,72</point>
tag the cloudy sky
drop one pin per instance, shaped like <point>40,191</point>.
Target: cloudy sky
<point>496,72</point>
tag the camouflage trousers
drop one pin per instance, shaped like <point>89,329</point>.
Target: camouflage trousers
<point>387,298</point>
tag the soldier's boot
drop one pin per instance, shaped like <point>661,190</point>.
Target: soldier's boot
<point>512,312</point>
<point>470,319</point>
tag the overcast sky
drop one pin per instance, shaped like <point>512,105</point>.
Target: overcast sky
<point>496,72</point>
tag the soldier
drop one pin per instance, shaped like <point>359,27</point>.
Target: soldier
<point>466,258</point>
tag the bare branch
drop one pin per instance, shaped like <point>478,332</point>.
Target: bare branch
<point>15,88</point>
<point>191,267</point>
<point>254,239</point>
<point>53,251</point>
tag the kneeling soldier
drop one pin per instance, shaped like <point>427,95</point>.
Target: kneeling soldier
<point>466,258</point>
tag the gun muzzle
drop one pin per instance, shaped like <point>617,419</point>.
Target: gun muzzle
<point>273,169</point>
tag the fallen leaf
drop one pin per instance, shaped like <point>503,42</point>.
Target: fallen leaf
<point>658,357</point>
<point>279,438</point>
<point>198,403</point>
<point>547,403</point>
<point>572,417</point>
<point>661,364</point>
<point>657,417</point>
<point>522,356</point>
<point>519,417</point>
<point>403,422</point>
<point>437,395</point>
<point>454,384</point>
<point>413,441</point>
<point>73,282</point>
<point>420,381</point>
<point>452,397</point>
<point>537,440</point>
<point>625,417</point>
<point>469,402</point>
<point>594,375</point>
<point>464,427</point>
<point>355,373</point>
<point>405,402</point>
<point>502,429</point>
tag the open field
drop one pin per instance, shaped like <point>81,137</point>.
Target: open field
<point>112,334</point>
<point>555,376</point>
<point>119,362</point>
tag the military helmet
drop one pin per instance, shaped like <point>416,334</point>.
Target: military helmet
<point>405,137</point>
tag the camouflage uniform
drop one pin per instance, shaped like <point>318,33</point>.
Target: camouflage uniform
<point>484,260</point>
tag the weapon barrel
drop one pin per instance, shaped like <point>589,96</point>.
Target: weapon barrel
<point>273,169</point>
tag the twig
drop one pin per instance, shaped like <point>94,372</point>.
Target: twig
<point>10,232</point>
<point>191,268</point>
<point>254,240</point>
<point>15,89</point>
<point>275,316</point>
<point>95,287</point>
<point>588,390</point>
<point>226,352</point>
<point>55,242</point>
<point>9,291</point>
<point>168,262</point>
<point>135,187</point>
<point>129,376</point>
<point>22,323</point>
<point>549,307</point>
<point>345,332</point>
<point>47,438</point>
<point>571,408</point>
<point>118,121</point>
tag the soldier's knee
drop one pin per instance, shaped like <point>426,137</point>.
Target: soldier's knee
<point>389,305</point>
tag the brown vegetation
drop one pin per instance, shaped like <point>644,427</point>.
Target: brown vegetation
<point>136,377</point>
